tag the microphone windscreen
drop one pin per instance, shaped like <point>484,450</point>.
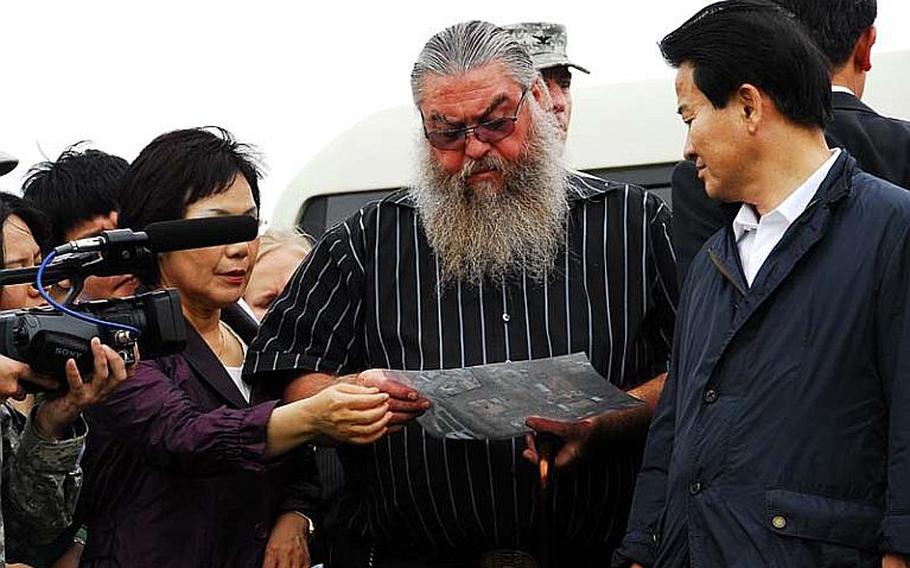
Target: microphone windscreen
<point>182,234</point>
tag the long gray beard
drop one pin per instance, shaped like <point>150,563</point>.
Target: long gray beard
<point>485,233</point>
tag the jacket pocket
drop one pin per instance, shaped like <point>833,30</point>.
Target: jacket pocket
<point>824,519</point>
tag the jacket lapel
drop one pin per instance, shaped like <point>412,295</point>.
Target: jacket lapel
<point>210,370</point>
<point>241,322</point>
<point>799,239</point>
<point>725,258</point>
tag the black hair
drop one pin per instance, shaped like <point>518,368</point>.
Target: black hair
<point>178,169</point>
<point>834,25</point>
<point>758,42</point>
<point>79,186</point>
<point>34,219</point>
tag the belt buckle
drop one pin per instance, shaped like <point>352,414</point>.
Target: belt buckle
<point>507,559</point>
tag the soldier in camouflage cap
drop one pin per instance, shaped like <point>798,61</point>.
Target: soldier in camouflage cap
<point>546,43</point>
<point>7,163</point>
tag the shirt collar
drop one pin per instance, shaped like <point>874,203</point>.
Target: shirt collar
<point>790,208</point>
<point>842,89</point>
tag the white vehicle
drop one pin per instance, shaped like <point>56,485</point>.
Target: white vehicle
<point>626,132</point>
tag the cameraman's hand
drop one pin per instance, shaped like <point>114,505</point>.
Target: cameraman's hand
<point>12,372</point>
<point>55,415</point>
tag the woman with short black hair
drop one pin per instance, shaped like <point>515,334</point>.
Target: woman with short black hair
<point>179,464</point>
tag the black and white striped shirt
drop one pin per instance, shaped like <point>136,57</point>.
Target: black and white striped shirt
<point>369,296</point>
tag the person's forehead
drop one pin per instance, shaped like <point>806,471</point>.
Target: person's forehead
<point>16,225</point>
<point>469,91</point>
<point>18,237</point>
<point>281,259</point>
<point>93,226</point>
<point>558,71</point>
<point>687,91</point>
<point>235,199</point>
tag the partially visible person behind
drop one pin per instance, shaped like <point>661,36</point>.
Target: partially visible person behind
<point>178,463</point>
<point>782,436</point>
<point>77,193</point>
<point>280,253</point>
<point>546,44</point>
<point>844,30</point>
<point>25,233</point>
<point>41,477</point>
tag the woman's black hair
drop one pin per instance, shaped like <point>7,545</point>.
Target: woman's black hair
<point>179,168</point>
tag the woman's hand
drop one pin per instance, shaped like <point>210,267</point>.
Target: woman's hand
<point>287,546</point>
<point>350,413</point>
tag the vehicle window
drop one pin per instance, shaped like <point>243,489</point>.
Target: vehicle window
<point>321,212</point>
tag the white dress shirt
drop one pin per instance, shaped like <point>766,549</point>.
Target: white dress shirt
<point>842,89</point>
<point>236,372</point>
<point>756,238</point>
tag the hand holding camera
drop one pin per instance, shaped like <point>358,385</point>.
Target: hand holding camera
<point>55,414</point>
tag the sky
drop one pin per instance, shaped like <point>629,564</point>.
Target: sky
<point>287,77</point>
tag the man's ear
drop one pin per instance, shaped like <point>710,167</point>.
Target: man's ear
<point>751,103</point>
<point>540,92</point>
<point>862,51</point>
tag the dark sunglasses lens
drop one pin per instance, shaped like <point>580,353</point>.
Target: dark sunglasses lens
<point>446,139</point>
<point>495,130</point>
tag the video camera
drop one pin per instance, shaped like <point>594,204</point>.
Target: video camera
<point>46,337</point>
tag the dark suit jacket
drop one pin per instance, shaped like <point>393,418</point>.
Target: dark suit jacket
<point>176,470</point>
<point>880,145</point>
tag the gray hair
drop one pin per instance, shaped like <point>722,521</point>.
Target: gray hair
<point>274,239</point>
<point>469,45</point>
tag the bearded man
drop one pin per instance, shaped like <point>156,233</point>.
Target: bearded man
<point>497,253</point>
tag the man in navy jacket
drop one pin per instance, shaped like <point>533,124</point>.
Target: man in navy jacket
<point>844,30</point>
<point>782,437</point>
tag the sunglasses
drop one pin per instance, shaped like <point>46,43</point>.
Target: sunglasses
<point>488,131</point>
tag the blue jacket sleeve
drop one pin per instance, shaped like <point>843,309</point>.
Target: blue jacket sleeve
<point>643,533</point>
<point>893,339</point>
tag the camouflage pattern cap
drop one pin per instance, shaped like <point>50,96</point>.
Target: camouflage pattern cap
<point>545,42</point>
<point>7,163</point>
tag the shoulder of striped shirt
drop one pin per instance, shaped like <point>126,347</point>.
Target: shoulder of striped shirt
<point>587,186</point>
<point>395,198</point>
<point>584,185</point>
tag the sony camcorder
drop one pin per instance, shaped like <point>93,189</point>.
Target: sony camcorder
<point>152,322</point>
<point>46,338</point>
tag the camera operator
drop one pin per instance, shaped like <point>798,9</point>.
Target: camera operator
<point>77,194</point>
<point>41,450</point>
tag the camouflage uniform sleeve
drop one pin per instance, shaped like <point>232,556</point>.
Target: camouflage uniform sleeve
<point>40,484</point>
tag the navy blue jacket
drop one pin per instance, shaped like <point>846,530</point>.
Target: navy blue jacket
<point>782,437</point>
